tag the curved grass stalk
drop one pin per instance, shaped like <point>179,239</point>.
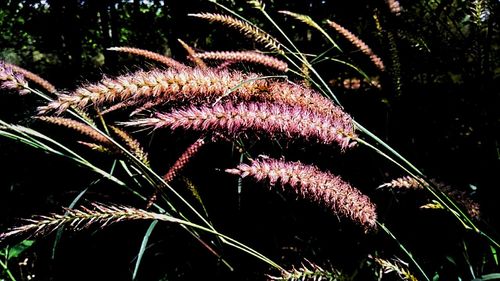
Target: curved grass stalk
<point>351,66</point>
<point>402,247</point>
<point>34,138</point>
<point>228,240</point>
<point>142,249</point>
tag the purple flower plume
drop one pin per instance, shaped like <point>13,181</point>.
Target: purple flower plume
<point>12,80</point>
<point>311,183</point>
<point>265,118</point>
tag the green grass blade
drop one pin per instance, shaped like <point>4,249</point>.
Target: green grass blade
<point>61,230</point>
<point>142,249</point>
<point>491,276</point>
<point>494,254</point>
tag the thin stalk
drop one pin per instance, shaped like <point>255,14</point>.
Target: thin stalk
<point>351,66</point>
<point>6,269</point>
<point>404,250</point>
<point>388,147</point>
<point>27,136</point>
<point>142,249</point>
<point>227,240</point>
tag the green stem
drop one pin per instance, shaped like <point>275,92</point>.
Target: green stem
<point>6,269</point>
<point>404,250</point>
<point>227,240</point>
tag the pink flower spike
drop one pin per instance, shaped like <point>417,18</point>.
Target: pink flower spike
<point>262,118</point>
<point>310,183</point>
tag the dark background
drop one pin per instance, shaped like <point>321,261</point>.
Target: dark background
<point>438,106</point>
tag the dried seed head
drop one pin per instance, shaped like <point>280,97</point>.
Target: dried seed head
<point>406,182</point>
<point>245,28</point>
<point>81,218</point>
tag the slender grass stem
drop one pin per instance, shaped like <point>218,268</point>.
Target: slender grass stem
<point>227,240</point>
<point>142,249</point>
<point>7,271</point>
<point>403,248</point>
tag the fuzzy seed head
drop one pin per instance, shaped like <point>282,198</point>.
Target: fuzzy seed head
<point>246,56</point>
<point>261,118</point>
<point>310,183</point>
<point>362,46</point>
<point>9,79</point>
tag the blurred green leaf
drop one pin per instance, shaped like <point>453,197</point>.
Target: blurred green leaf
<point>491,276</point>
<point>18,249</point>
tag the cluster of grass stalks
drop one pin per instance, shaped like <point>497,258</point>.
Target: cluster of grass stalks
<point>210,97</point>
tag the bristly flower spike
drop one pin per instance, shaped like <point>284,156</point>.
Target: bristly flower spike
<point>265,118</point>
<point>246,56</point>
<point>195,86</point>
<point>172,84</point>
<point>377,61</point>
<point>183,159</point>
<point>12,80</point>
<point>76,126</point>
<point>461,197</point>
<point>134,145</point>
<point>150,55</point>
<point>192,55</point>
<point>310,183</point>
<point>81,218</point>
<point>179,165</point>
<point>34,78</point>
<point>247,29</point>
<point>394,7</point>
